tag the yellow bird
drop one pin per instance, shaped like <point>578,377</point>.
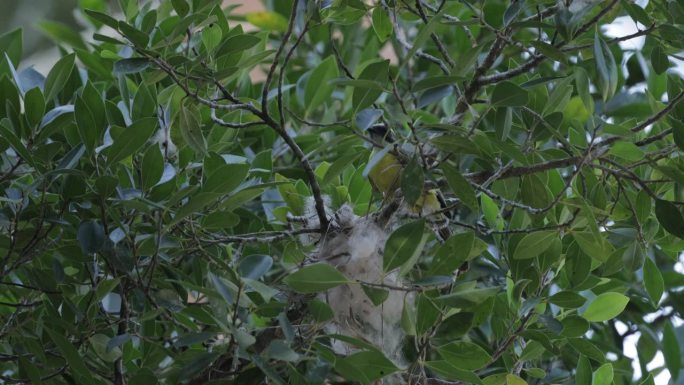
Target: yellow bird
<point>385,176</point>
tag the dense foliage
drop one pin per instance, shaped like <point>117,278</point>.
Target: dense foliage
<point>167,186</point>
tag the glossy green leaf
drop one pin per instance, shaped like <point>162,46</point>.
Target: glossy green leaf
<point>605,307</point>
<point>567,299</point>
<point>382,25</point>
<point>653,281</point>
<point>130,139</point>
<point>404,245</point>
<point>76,364</point>
<point>188,123</point>
<point>659,60</point>
<point>58,76</point>
<point>365,367</point>
<point>460,186</point>
<point>447,370</point>
<point>363,97</point>
<point>670,217</point>
<point>464,355</point>
<point>534,244</point>
<point>318,87</point>
<point>671,350</point>
<point>603,375</point>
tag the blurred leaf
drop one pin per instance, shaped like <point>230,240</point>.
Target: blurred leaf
<point>507,94</point>
<point>314,278</point>
<point>267,20</point>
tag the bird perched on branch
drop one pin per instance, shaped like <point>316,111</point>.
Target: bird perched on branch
<point>384,171</point>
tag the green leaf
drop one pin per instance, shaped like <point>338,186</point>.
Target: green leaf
<point>134,35</point>
<point>593,246</point>
<point>467,297</point>
<point>582,85</point>
<point>188,124</point>
<point>643,206</point>
<point>152,167</point>
<point>507,94</point>
<point>659,60</point>
<point>447,370</point>
<point>365,367</point>
<point>105,287</point>
<point>512,379</point>
<point>412,181</point>
<point>76,363</point>
<point>653,281</point>
<point>320,311</point>
<point>377,295</point>
<point>314,278</point>
<point>34,105</point>
<point>460,186</point>
<point>61,33</point>
<point>364,97</point>
<point>130,139</point>
<point>87,125</point>
<point>678,134</point>
<point>181,6</point>
<point>91,237</point>
<point>268,20</point>
<point>671,350</point>
<point>225,178</point>
<point>605,68</point>
<point>453,253</point>
<point>318,88</point>
<point>382,25</point>
<point>58,76</point>
<point>340,165</point>
<point>427,314</point>
<point>603,375</point>
<point>464,355</point>
<point>102,18</point>
<point>280,350</point>
<point>130,66</point>
<point>567,299</point>
<point>670,217</point>
<point>11,43</point>
<point>627,151</point>
<point>255,266</point>
<point>99,345</point>
<point>211,36</point>
<point>222,288</point>
<point>583,375</point>
<point>534,244</point>
<point>648,380</point>
<point>605,307</point>
<point>237,43</point>
<point>404,245</point>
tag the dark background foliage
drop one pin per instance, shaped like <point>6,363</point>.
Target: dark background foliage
<point>150,179</point>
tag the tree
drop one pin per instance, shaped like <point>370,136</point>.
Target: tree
<point>186,200</point>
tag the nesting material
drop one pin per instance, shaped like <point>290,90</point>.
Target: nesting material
<point>357,252</point>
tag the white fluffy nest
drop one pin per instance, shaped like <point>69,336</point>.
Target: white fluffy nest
<point>355,248</point>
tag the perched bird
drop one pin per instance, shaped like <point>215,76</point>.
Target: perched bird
<point>385,175</point>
